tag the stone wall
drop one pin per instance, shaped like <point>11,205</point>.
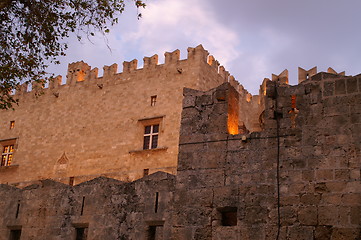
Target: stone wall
<point>93,126</point>
<point>297,179</point>
<point>109,209</point>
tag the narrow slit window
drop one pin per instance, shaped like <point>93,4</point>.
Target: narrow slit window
<point>17,210</point>
<point>71,181</point>
<point>151,136</point>
<point>156,202</point>
<point>82,207</point>
<point>153,100</point>
<point>7,155</point>
<point>12,124</point>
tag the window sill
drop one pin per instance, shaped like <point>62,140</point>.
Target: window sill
<point>5,168</point>
<point>148,150</point>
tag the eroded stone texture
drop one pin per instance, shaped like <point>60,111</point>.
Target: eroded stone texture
<point>296,177</point>
<point>109,208</point>
<point>98,122</point>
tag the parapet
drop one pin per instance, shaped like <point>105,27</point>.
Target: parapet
<point>77,72</point>
<point>213,62</point>
<point>282,78</point>
<point>130,66</point>
<point>110,71</point>
<point>198,52</point>
<point>55,82</point>
<point>172,57</point>
<point>305,75</point>
<point>150,61</point>
<point>330,70</point>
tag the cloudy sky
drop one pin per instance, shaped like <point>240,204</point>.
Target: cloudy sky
<point>251,38</point>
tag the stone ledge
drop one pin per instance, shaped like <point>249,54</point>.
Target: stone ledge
<point>6,168</point>
<point>148,150</point>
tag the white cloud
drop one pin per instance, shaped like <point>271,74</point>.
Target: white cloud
<point>170,24</point>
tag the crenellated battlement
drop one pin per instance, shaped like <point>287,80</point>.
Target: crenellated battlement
<point>83,72</point>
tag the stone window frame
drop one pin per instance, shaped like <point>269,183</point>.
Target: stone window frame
<point>82,229</point>
<point>151,136</point>
<point>12,124</point>
<point>152,121</point>
<point>153,100</point>
<point>6,154</point>
<point>15,232</point>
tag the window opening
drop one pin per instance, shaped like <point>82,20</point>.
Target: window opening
<point>82,207</point>
<point>153,100</point>
<point>71,181</point>
<point>17,210</point>
<point>15,234</point>
<point>12,124</point>
<point>145,172</point>
<point>151,136</point>
<point>81,233</point>
<point>7,155</point>
<point>156,202</point>
<point>229,216</point>
<point>152,232</point>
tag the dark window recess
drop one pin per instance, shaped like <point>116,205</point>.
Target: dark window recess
<point>17,210</point>
<point>152,230</point>
<point>82,207</point>
<point>71,181</point>
<point>146,142</point>
<point>229,216</point>
<point>15,234</point>
<point>81,233</point>
<point>155,141</point>
<point>145,172</point>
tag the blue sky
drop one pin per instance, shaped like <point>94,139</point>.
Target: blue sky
<point>251,38</point>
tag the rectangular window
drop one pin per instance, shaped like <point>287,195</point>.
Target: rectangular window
<point>81,233</point>
<point>229,216</point>
<point>153,100</point>
<point>151,232</point>
<point>151,136</point>
<point>15,234</point>
<point>12,124</point>
<point>71,181</point>
<point>145,172</point>
<point>7,155</point>
<point>155,232</point>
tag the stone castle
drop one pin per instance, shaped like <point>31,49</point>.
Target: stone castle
<point>180,150</point>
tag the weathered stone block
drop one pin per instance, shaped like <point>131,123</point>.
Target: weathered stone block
<point>324,174</point>
<point>345,233</point>
<point>342,174</point>
<point>300,233</point>
<point>322,232</point>
<point>351,85</point>
<point>340,86</point>
<point>328,89</point>
<point>310,199</point>
<point>327,215</point>
<point>307,215</point>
